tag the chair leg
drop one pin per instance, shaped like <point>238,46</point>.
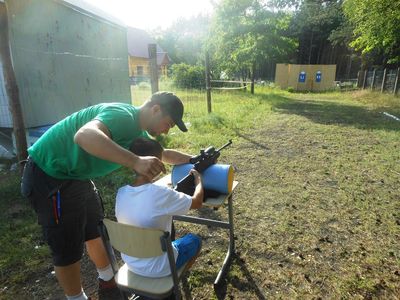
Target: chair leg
<point>173,232</point>
<point>124,295</point>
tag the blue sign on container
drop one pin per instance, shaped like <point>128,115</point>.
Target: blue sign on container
<point>318,76</point>
<point>302,76</point>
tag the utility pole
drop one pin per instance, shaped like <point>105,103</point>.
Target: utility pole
<point>11,87</point>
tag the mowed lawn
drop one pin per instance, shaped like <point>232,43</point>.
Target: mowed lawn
<point>316,212</point>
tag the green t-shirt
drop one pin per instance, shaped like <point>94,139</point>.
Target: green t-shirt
<point>57,154</point>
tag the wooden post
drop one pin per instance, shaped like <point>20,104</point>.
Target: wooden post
<point>365,79</point>
<point>153,68</point>
<point>383,81</point>
<point>12,88</point>
<point>208,82</point>
<point>253,71</point>
<point>359,79</point>
<point>373,79</point>
<point>396,82</point>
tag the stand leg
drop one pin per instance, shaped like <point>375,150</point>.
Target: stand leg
<point>231,250</point>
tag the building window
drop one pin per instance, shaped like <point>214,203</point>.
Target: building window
<point>139,70</point>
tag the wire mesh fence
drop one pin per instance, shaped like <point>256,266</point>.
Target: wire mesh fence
<point>384,80</point>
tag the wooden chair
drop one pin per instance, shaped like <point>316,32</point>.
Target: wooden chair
<point>142,243</point>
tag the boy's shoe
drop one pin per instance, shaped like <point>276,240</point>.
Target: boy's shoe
<point>108,290</point>
<point>107,285</point>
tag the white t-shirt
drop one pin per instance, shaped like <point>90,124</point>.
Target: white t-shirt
<point>150,206</point>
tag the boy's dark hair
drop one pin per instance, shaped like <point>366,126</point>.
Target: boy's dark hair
<point>146,147</point>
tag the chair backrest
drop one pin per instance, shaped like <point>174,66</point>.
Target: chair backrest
<point>135,241</point>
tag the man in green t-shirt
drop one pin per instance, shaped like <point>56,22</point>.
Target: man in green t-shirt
<point>88,144</point>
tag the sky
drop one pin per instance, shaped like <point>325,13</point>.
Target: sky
<point>150,14</point>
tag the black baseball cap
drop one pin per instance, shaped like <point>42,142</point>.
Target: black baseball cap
<point>172,105</point>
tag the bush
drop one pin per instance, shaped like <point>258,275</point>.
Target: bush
<point>187,76</point>
<point>144,85</point>
<point>290,89</point>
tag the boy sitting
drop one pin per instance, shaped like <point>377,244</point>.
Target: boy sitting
<point>147,205</point>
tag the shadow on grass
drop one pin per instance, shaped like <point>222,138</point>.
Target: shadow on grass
<point>252,141</point>
<point>246,284</point>
<point>328,112</point>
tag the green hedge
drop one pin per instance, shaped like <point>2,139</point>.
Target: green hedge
<point>188,76</point>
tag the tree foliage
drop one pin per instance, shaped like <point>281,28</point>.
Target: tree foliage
<point>376,27</point>
<point>248,37</point>
<point>188,76</point>
<point>244,34</point>
<point>312,24</point>
<point>185,39</point>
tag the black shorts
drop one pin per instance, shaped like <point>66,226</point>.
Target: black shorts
<point>68,211</point>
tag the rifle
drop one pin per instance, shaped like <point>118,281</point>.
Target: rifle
<point>201,162</point>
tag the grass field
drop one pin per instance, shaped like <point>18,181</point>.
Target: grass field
<point>317,210</point>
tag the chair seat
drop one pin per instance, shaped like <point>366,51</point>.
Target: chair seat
<point>146,285</point>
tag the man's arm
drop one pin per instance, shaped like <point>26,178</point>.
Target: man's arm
<point>198,196</point>
<point>95,138</point>
<point>175,157</point>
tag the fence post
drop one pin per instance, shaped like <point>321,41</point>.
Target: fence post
<point>383,81</point>
<point>373,79</point>
<point>153,68</point>
<point>396,82</point>
<point>208,83</point>
<point>359,79</point>
<point>12,88</point>
<point>253,72</point>
<point>365,79</point>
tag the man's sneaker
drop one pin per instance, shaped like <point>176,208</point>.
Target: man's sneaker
<point>108,290</point>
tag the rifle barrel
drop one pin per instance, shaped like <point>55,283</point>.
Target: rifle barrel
<point>224,146</point>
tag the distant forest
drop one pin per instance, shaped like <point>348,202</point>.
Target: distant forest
<point>247,38</point>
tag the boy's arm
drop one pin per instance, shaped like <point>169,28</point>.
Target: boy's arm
<point>198,196</point>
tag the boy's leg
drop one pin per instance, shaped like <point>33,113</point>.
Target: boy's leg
<point>188,247</point>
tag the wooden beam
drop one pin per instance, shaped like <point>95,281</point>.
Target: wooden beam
<point>11,87</point>
<point>253,74</point>
<point>208,82</point>
<point>365,79</point>
<point>383,81</point>
<point>153,68</point>
<point>373,79</point>
<point>396,81</point>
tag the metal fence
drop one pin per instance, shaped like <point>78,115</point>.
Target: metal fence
<point>383,80</point>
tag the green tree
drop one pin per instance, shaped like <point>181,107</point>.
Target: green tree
<point>187,76</point>
<point>245,34</point>
<point>376,27</point>
<point>184,40</point>
<point>312,25</point>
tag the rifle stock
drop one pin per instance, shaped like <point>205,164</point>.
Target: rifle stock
<point>186,185</point>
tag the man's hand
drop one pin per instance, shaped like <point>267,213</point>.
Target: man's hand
<point>149,166</point>
<point>197,176</point>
